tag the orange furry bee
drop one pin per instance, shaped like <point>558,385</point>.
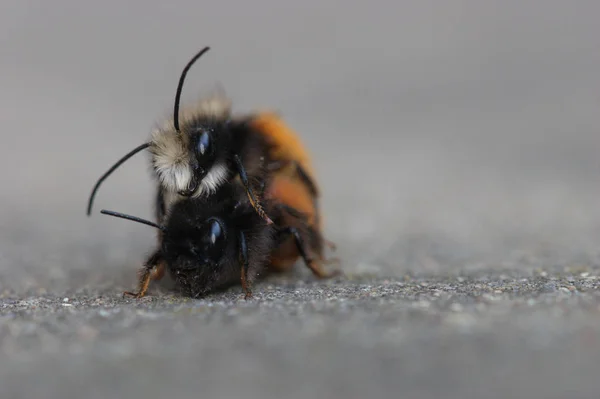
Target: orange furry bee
<point>206,145</point>
<point>207,151</point>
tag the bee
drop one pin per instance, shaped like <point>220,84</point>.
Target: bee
<point>211,242</point>
<point>206,145</point>
<point>207,158</point>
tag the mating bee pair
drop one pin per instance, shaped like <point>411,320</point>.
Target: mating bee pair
<point>236,195</point>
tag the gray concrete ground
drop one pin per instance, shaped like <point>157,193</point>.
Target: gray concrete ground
<point>457,146</point>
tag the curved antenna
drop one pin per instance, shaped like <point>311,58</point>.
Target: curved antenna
<point>112,169</point>
<point>180,86</point>
<point>132,218</point>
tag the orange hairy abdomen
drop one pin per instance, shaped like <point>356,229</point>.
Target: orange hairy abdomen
<point>285,142</point>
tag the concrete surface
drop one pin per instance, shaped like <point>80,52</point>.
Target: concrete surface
<point>457,145</point>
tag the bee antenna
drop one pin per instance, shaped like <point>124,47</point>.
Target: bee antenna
<point>112,169</point>
<point>180,86</point>
<point>133,218</point>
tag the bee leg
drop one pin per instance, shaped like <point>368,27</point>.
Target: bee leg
<point>314,266</point>
<point>245,264</point>
<point>303,218</point>
<point>154,269</point>
<point>253,200</point>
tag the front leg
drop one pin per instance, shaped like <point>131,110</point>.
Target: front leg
<point>154,269</point>
<point>253,200</point>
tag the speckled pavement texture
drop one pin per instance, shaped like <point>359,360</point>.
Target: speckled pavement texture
<point>457,148</point>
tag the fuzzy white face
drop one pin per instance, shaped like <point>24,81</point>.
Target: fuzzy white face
<point>170,159</point>
<point>171,155</point>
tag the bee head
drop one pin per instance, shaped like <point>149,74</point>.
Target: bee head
<point>192,161</point>
<point>197,254</point>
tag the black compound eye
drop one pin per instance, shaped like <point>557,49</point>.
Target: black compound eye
<point>216,232</point>
<point>203,145</point>
<point>214,239</point>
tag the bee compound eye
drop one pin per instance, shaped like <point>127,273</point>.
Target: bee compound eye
<point>216,231</point>
<point>203,145</point>
<point>214,239</point>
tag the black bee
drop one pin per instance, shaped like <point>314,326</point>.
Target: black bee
<point>212,242</point>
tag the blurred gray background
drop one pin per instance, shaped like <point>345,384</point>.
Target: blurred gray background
<point>448,135</point>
